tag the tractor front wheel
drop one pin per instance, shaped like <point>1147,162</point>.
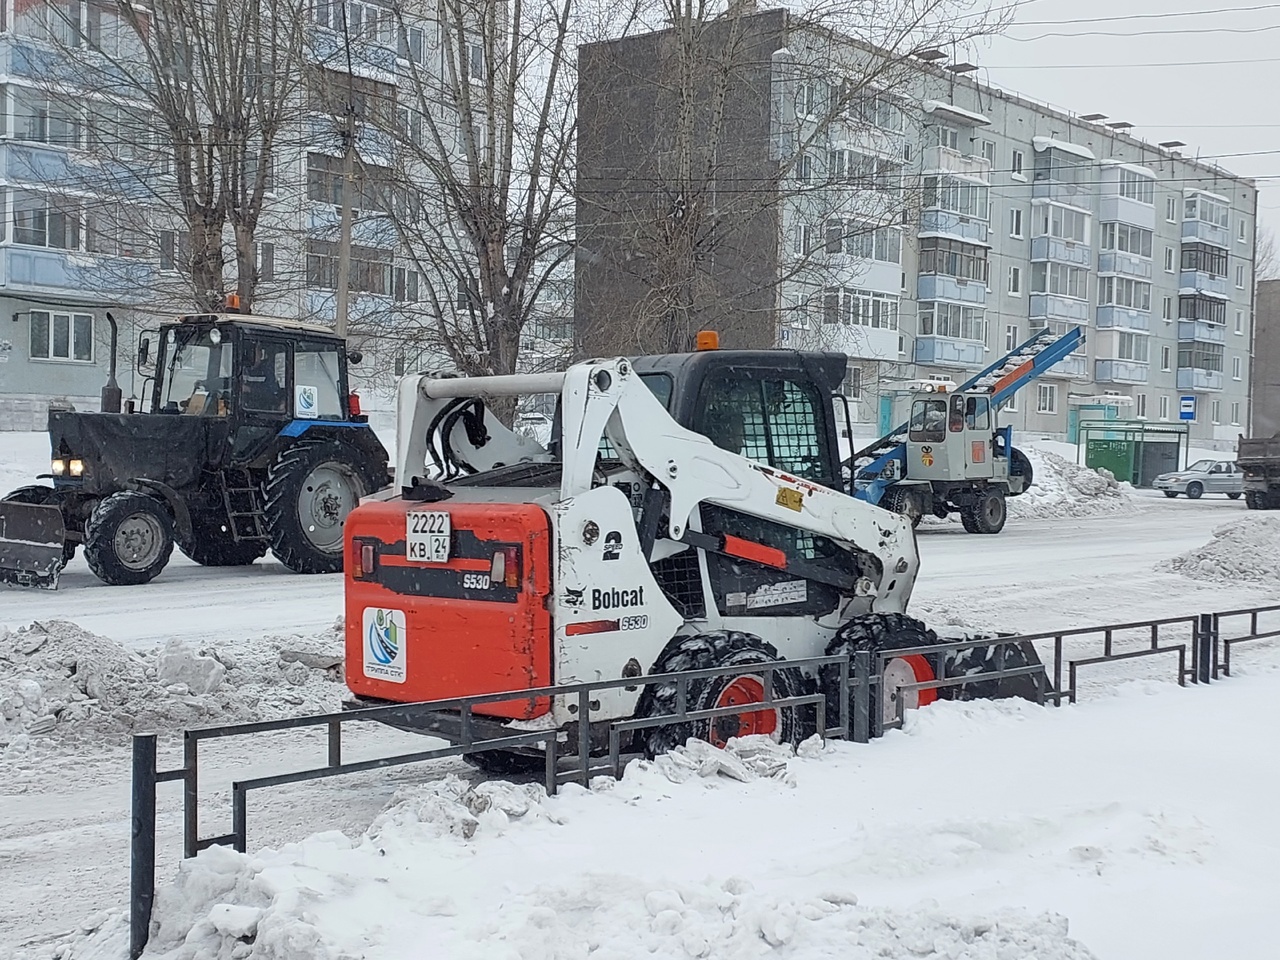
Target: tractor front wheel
<point>128,538</point>
<point>310,489</point>
<point>987,514</point>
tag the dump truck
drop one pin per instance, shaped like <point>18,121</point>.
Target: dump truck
<point>1259,459</point>
<point>248,440</point>
<point>687,512</point>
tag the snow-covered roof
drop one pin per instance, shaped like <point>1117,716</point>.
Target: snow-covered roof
<point>1196,191</point>
<point>1045,143</point>
<point>955,114</point>
<point>1132,168</point>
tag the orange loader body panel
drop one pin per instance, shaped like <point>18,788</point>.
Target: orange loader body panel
<point>419,631</point>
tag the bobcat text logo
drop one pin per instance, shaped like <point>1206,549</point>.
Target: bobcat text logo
<point>614,598</point>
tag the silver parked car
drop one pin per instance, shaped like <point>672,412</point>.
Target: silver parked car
<point>1203,476</point>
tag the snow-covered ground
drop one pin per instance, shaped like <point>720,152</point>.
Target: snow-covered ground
<point>1140,817</point>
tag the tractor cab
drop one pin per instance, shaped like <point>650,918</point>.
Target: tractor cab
<point>952,436</point>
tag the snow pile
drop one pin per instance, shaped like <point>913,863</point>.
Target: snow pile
<point>57,678</point>
<point>1248,549</point>
<point>743,759</point>
<point>1061,488</point>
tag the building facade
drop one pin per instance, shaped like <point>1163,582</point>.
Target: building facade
<point>931,223</point>
<point>1264,382</point>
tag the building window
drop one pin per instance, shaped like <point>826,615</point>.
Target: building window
<point>864,240</point>
<point>1010,405</point>
<point>957,196</point>
<point>1016,165</point>
<point>954,320</point>
<point>1164,408</point>
<point>1171,216</point>
<point>860,308</point>
<point>1239,323</point>
<point>1135,186</point>
<point>1202,308</point>
<point>1165,359</point>
<point>1047,401</point>
<point>952,258</point>
<point>370,268</point>
<point>372,185</point>
<point>1235,414</point>
<point>413,45</point>
<point>1240,276</point>
<point>61,336</point>
<point>264,257</point>
<point>804,168</point>
<point>1015,282</point>
<point>1215,413</point>
<point>1011,338</point>
<point>1166,310</point>
<point>1133,346</point>
<point>1237,366</point>
<point>405,288</point>
<point>1124,292</point>
<point>989,151</point>
<point>44,220</point>
<point>1015,223</point>
<point>803,239</point>
<point>1244,231</point>
<point>1206,210</point>
<point>1128,238</point>
<point>1061,279</point>
<point>1168,259</point>
<point>1141,402</point>
<point>1200,356</point>
<point>1204,259</point>
<point>361,20</point>
<point>175,250</point>
<point>1065,223</point>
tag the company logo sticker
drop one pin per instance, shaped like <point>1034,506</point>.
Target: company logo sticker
<point>926,456</point>
<point>612,545</point>
<point>306,402</point>
<point>384,637</point>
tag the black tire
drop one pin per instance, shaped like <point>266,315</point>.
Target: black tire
<point>212,545</point>
<point>335,477</point>
<point>1233,496</point>
<point>1195,489</point>
<point>505,763</point>
<point>40,495</point>
<point>1255,500</point>
<point>987,514</point>
<point>875,632</point>
<point>128,538</point>
<point>1020,466</point>
<point>979,660</point>
<point>723,648</point>
<point>907,503</point>
<point>1171,494</point>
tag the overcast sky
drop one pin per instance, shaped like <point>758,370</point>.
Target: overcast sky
<point>1216,107</point>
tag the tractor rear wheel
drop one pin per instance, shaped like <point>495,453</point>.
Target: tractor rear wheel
<point>310,489</point>
<point>724,648</point>
<point>1020,466</point>
<point>212,545</point>
<point>873,633</point>
<point>40,495</point>
<point>987,514</point>
<point>128,538</point>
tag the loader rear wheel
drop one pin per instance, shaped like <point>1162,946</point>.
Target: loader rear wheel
<point>983,660</point>
<point>128,538</point>
<point>987,514</point>
<point>505,763</point>
<point>212,544</point>
<point>310,489</point>
<point>724,648</point>
<point>873,633</point>
<point>40,496</point>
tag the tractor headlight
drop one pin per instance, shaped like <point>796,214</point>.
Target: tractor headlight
<point>58,467</point>
<point>77,468</point>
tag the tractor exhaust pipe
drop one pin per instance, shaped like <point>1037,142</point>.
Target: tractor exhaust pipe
<point>111,395</point>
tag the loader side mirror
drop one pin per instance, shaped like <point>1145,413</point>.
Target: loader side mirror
<point>354,357</point>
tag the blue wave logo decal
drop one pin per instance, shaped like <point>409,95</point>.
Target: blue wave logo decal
<point>306,400</point>
<point>384,638</point>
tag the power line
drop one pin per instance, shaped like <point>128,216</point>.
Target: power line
<point>1198,31</point>
<point>1146,16</point>
<point>1127,66</point>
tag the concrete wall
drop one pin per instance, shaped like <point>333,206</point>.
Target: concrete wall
<point>1265,380</point>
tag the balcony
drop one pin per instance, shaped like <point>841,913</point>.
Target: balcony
<point>1201,331</point>
<point>1074,366</point>
<point>950,352</point>
<point>1123,318</point>
<point>368,58</point>
<point>82,172</point>
<point>947,224</point>
<point>862,343</point>
<point>1120,371</point>
<point>1192,282</point>
<point>33,60</point>
<point>1125,210</point>
<point>1063,251</point>
<point>945,160</point>
<point>931,286</point>
<point>1052,306</point>
<point>323,220</point>
<point>67,273</point>
<point>1205,232</point>
<point>1078,195</point>
<point>1193,378</point>
<point>371,309</point>
<point>1124,264</point>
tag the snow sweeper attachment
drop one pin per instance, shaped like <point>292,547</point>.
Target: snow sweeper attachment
<point>31,538</point>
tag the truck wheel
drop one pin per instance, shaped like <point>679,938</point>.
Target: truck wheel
<point>212,545</point>
<point>724,648</point>
<point>1020,466</point>
<point>40,496</point>
<point>1194,489</point>
<point>128,538</point>
<point>907,503</point>
<point>310,489</point>
<point>1171,494</point>
<point>1255,500</point>
<point>987,514</point>
<point>873,633</point>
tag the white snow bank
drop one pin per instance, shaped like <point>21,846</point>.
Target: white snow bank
<point>403,885</point>
<point>1061,488</point>
<point>1247,549</point>
<point>58,679</point>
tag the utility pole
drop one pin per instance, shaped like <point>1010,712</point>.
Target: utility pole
<point>344,231</point>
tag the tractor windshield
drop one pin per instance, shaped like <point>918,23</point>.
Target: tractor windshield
<point>928,421</point>
<point>196,364</point>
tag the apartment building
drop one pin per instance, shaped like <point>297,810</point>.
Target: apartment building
<point>934,222</point>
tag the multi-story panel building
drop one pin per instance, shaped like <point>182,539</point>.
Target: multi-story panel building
<point>978,218</point>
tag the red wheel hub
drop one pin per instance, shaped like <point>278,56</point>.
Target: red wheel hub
<point>740,692</point>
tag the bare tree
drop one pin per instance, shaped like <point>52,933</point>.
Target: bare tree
<point>1266,258</point>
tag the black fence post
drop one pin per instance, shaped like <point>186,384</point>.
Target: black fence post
<point>142,849</point>
<point>1204,643</point>
<point>862,696</point>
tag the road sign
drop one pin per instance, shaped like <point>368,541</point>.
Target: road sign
<point>1186,408</point>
